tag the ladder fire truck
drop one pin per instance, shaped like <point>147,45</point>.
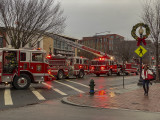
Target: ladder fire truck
<point>105,64</point>
<point>21,67</point>
<point>79,66</point>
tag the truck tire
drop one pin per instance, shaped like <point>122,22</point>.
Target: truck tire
<point>60,75</point>
<point>118,74</point>
<point>127,73</point>
<point>81,74</point>
<point>21,82</point>
<point>110,73</point>
<point>97,75</point>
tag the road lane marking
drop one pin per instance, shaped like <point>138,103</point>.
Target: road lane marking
<point>79,84</point>
<point>50,86</point>
<point>70,86</point>
<point>60,92</point>
<point>37,94</point>
<point>7,97</point>
<point>57,90</point>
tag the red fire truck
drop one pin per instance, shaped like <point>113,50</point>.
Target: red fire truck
<point>105,65</point>
<point>21,67</point>
<point>64,67</point>
<point>131,68</point>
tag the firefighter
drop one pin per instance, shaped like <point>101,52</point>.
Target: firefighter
<point>12,62</point>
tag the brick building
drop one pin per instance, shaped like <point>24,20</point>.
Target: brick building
<point>104,43</point>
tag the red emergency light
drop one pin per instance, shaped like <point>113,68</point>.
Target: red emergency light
<point>49,71</point>
<point>48,57</point>
<point>80,66</point>
<point>38,48</point>
<point>101,58</point>
<point>102,67</point>
<point>92,68</point>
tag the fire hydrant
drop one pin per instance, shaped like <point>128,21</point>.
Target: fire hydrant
<point>91,87</point>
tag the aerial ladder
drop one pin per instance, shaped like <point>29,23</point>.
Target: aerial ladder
<point>80,46</point>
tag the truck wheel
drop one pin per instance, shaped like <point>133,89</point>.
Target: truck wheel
<point>110,73</point>
<point>127,73</point>
<point>81,74</point>
<point>60,75</point>
<point>21,82</point>
<point>136,73</point>
<point>118,74</point>
<point>97,75</point>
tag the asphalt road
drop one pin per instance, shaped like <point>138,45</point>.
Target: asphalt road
<point>55,110</point>
<point>37,93</point>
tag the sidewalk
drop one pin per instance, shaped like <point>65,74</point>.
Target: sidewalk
<point>133,99</point>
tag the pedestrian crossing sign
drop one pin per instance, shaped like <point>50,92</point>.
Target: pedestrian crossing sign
<point>140,51</point>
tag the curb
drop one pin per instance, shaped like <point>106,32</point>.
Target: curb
<point>65,101</point>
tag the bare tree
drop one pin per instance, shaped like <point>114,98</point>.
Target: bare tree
<point>26,21</point>
<point>124,50</point>
<point>151,16</point>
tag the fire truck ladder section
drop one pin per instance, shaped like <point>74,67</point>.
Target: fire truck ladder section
<point>79,46</point>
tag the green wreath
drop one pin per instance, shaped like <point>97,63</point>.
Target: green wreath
<point>133,32</point>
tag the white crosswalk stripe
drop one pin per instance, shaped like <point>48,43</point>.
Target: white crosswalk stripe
<point>70,87</point>
<point>7,97</point>
<point>37,94</point>
<point>55,89</point>
<point>60,92</point>
<point>79,84</point>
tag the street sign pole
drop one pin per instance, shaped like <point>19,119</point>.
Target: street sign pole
<point>140,51</point>
<point>140,82</point>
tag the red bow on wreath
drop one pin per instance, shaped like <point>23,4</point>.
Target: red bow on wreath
<point>141,40</point>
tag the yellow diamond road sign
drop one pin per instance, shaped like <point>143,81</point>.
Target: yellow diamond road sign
<point>140,51</point>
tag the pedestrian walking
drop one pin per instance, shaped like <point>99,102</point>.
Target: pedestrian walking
<point>146,73</point>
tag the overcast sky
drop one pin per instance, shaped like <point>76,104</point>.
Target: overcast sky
<point>88,17</point>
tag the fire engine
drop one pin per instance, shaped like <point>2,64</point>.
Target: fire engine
<point>77,62</point>
<point>21,67</point>
<point>65,67</point>
<point>105,65</point>
<point>131,68</point>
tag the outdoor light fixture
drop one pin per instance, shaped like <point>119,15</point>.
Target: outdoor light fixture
<point>141,31</point>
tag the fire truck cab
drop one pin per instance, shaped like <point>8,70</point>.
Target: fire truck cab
<point>104,65</point>
<point>65,67</point>
<point>21,67</point>
<point>131,68</point>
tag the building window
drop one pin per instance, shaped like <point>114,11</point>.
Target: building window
<point>1,42</point>
<point>55,43</point>
<point>112,36</point>
<point>66,46</point>
<point>63,45</point>
<point>58,44</point>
